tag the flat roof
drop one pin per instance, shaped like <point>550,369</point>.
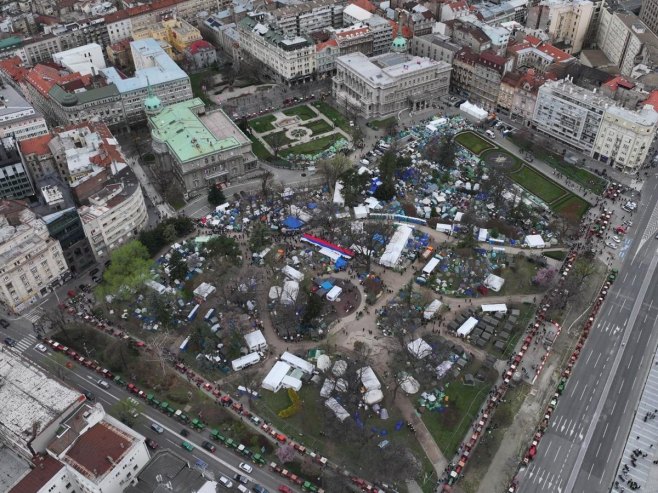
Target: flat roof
<point>45,469</point>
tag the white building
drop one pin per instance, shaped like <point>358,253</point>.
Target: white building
<point>566,21</point>
<point>389,83</point>
<point>17,117</point>
<point>287,58</point>
<point>31,261</point>
<point>87,59</point>
<point>115,214</point>
<point>625,137</point>
<point>92,452</point>
<point>297,19</point>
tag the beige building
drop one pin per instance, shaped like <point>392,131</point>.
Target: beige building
<point>478,76</point>
<point>625,137</point>
<point>31,261</point>
<point>307,17</point>
<point>565,21</point>
<point>179,34</point>
<point>389,83</point>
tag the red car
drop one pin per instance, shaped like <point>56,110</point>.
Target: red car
<point>132,388</point>
<point>152,444</point>
<point>284,489</point>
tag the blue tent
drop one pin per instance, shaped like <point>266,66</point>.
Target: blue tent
<point>292,222</point>
<point>327,285</point>
<point>341,263</point>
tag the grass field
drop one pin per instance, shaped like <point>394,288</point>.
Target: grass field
<point>556,254</point>
<point>313,146</point>
<point>263,124</point>
<point>538,184</point>
<point>259,149</point>
<point>277,139</point>
<point>571,206</point>
<point>473,142</point>
<point>333,114</point>
<point>318,127</point>
<point>379,124</point>
<point>303,112</point>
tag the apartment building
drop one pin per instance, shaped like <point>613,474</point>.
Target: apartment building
<point>649,14</point>
<point>31,261</point>
<point>389,83</point>
<point>434,46</point>
<point>201,149</point>
<point>303,18</point>
<point>18,119</point>
<point>15,180</point>
<point>518,93</point>
<point>478,76</point>
<point>179,33</point>
<point>565,21</point>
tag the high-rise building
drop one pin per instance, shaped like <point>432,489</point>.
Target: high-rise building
<point>15,181</point>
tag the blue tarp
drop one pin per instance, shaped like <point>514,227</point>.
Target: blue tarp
<point>326,285</point>
<point>341,263</point>
<point>292,222</point>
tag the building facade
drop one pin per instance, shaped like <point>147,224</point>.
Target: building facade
<point>15,180</point>
<point>478,76</point>
<point>435,47</point>
<point>565,21</point>
<point>66,227</point>
<point>31,261</point>
<point>649,14</point>
<point>18,119</point>
<point>201,149</point>
<point>303,18</point>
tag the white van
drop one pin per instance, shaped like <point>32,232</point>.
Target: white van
<point>490,134</point>
<point>103,384</point>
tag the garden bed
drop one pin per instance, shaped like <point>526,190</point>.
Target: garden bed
<point>263,124</point>
<point>303,112</point>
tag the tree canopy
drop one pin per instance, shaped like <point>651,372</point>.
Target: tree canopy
<point>216,196</point>
<point>130,267</point>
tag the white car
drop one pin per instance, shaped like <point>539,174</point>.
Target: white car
<point>226,482</point>
<point>616,239</point>
<point>611,245</point>
<point>41,348</point>
<point>246,467</point>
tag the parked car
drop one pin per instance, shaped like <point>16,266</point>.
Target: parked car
<point>157,428</point>
<point>258,489</point>
<point>246,467</point>
<point>226,482</point>
<point>3,323</point>
<point>240,478</point>
<point>187,446</point>
<point>208,446</point>
<point>152,444</point>
<point>89,395</point>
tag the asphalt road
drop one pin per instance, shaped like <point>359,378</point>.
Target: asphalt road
<point>223,461</point>
<point>588,430</point>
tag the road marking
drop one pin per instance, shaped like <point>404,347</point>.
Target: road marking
<point>576,386</point>
<point>598,449</point>
<point>606,429</point>
<point>557,452</point>
<point>596,363</point>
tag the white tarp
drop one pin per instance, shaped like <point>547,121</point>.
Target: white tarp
<point>339,200</point>
<point>255,341</point>
<point>156,286</point>
<point>339,368</point>
<point>204,290</point>
<point>475,112</point>
<point>273,380</point>
<point>534,241</point>
<point>289,292</point>
<point>334,293</point>
<point>337,409</point>
<point>297,362</point>
<point>467,327</point>
<point>373,203</point>
<point>275,292</point>
<point>431,265</point>
<point>483,234</point>
<point>373,397</point>
<point>323,363</point>
<point>494,282</point>
<point>419,348</point>
<point>393,251</point>
<point>327,387</point>
<point>443,368</point>
<point>431,309</point>
<point>292,273</point>
<point>360,212</point>
<point>328,252</point>
<point>500,307</point>
<point>244,361</point>
<point>444,228</point>
<point>289,382</point>
<point>409,384</point>
<point>368,378</point>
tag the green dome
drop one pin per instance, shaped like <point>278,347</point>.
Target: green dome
<point>152,103</point>
<point>399,44</point>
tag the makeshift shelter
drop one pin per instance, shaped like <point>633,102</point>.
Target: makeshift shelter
<point>204,290</point>
<point>292,222</point>
<point>337,409</point>
<point>419,348</point>
<point>339,200</point>
<point>534,241</point>
<point>473,112</point>
<point>431,265</point>
<point>274,379</point>
<point>334,293</point>
<point>368,378</point>
<point>156,286</point>
<point>431,309</point>
<point>292,273</point>
<point>255,341</point>
<point>244,361</point>
<point>396,245</point>
<point>483,234</point>
<point>360,212</point>
<point>290,382</point>
<point>444,228</point>
<point>327,387</point>
<point>275,293</point>
<point>467,327</point>
<point>373,397</point>
<point>339,368</point>
<point>323,363</point>
<point>297,362</point>
<point>289,292</point>
<point>500,307</point>
<point>494,282</point>
<point>408,383</point>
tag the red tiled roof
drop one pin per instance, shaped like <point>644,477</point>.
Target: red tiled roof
<point>48,20</point>
<point>140,9</point>
<point>652,100</point>
<point>200,45</point>
<point>323,45</point>
<point>617,82</point>
<point>406,32</point>
<point>36,145</point>
<point>44,469</point>
<point>43,77</point>
<point>365,5</point>
<point>533,40</point>
<point>458,5</point>
<point>557,54</point>
<point>352,32</point>
<point>13,67</point>
<point>95,452</point>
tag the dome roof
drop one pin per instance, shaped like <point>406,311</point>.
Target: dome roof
<point>70,99</point>
<point>399,43</point>
<point>152,103</point>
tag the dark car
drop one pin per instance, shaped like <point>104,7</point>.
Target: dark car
<point>240,478</point>
<point>258,489</point>
<point>208,446</point>
<point>93,272</point>
<point>152,444</point>
<point>4,323</point>
<point>89,395</point>
<point>184,432</point>
<point>10,342</point>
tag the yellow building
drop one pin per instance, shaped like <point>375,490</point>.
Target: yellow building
<point>179,34</point>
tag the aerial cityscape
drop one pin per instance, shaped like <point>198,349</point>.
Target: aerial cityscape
<point>328,246</point>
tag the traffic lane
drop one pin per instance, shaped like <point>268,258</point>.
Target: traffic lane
<point>626,389</point>
<point>86,379</point>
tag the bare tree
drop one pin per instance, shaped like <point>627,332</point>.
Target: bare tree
<point>331,169</point>
<point>158,347</point>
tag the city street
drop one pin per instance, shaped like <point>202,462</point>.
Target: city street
<point>588,430</point>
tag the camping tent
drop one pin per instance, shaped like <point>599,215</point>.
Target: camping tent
<point>500,307</point>
<point>292,222</point>
<point>292,273</point>
<point>297,362</point>
<point>323,363</point>
<point>431,309</point>
<point>494,282</point>
<point>337,409</point>
<point>368,378</point>
<point>534,241</point>
<point>431,265</point>
<point>255,341</point>
<point>204,290</point>
<point>467,327</point>
<point>393,251</point>
<point>334,293</point>
<point>274,379</point>
<point>408,383</point>
<point>289,292</point>
<point>419,348</point>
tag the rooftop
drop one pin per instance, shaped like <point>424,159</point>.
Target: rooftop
<point>190,136</point>
<point>385,69</point>
<point>36,145</point>
<point>359,13</point>
<point>13,105</point>
<point>45,468</point>
<point>116,190</point>
<point>167,467</point>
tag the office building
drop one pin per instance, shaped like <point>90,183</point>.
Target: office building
<point>15,181</point>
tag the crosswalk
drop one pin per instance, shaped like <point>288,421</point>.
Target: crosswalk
<point>26,343</point>
<point>34,315</point>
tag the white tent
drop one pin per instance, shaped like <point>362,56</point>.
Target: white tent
<point>534,241</point>
<point>419,348</point>
<point>494,282</point>
<point>339,368</point>
<point>274,379</point>
<point>393,251</point>
<point>244,361</point>
<point>475,112</point>
<point>431,265</point>
<point>327,387</point>
<point>483,234</point>
<point>360,212</point>
<point>339,200</point>
<point>444,228</point>
<point>297,362</point>
<point>408,383</point>
<point>373,203</point>
<point>431,309</point>
<point>275,292</point>
<point>334,293</point>
<point>156,286</point>
<point>368,378</point>
<point>323,363</point>
<point>373,397</point>
<point>204,290</point>
<point>501,307</point>
<point>255,341</point>
<point>292,273</point>
<point>337,409</point>
<point>289,292</point>
<point>467,327</point>
<point>289,382</point>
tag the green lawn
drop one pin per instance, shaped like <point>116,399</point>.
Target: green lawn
<point>259,149</point>
<point>333,114</point>
<point>572,207</point>
<point>303,112</point>
<point>277,139</point>
<point>518,277</point>
<point>538,184</point>
<point>378,124</point>
<point>313,146</point>
<point>448,428</point>
<point>473,142</point>
<point>318,127</point>
<point>263,124</point>
<point>556,254</point>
